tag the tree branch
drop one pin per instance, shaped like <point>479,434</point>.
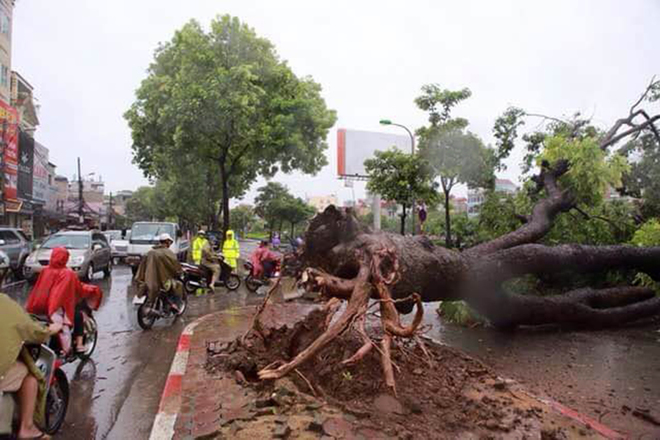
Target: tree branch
<point>543,213</point>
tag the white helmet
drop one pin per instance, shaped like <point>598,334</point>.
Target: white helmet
<point>165,237</point>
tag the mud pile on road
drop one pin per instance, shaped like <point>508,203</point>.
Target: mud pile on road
<point>440,394</point>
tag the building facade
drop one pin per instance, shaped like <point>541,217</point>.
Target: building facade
<point>476,196</point>
<point>321,202</point>
<point>6,23</point>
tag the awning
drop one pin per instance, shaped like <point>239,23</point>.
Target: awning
<point>13,205</point>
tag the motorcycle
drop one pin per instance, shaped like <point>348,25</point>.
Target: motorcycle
<point>57,392</point>
<point>165,306</point>
<point>253,282</point>
<point>198,277</point>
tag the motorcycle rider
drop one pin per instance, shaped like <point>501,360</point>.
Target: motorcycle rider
<point>59,294</point>
<point>231,249</point>
<point>160,270</point>
<point>18,373</point>
<point>263,260</point>
<point>210,262</point>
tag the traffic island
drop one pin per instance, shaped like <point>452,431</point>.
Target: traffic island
<point>442,393</point>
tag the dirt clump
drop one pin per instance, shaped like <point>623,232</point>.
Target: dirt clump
<point>442,392</point>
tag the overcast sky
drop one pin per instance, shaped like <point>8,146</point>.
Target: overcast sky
<point>86,58</point>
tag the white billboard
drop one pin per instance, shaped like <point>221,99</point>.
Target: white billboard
<point>356,146</point>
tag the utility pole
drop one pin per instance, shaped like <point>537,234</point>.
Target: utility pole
<point>80,194</point>
<point>110,213</point>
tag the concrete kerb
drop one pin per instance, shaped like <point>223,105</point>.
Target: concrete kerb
<point>170,400</point>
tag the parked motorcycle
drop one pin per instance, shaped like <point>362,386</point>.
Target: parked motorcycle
<point>165,306</point>
<point>253,282</point>
<point>57,393</point>
<point>198,277</point>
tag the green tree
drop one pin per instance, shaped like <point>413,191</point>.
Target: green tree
<point>242,218</point>
<point>455,155</point>
<point>643,178</point>
<point>225,97</point>
<point>270,203</point>
<point>141,206</point>
<point>296,211</point>
<point>400,177</point>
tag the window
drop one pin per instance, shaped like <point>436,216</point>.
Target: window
<point>4,76</point>
<point>4,23</point>
<point>9,237</point>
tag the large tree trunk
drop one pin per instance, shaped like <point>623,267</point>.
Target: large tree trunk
<point>225,199</point>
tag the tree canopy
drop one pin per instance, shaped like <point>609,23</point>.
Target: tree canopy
<point>400,177</point>
<point>222,105</point>
<point>455,155</point>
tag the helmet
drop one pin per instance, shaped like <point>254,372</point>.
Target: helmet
<point>201,232</point>
<point>165,237</point>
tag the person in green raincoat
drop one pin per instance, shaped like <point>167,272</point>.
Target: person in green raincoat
<point>231,249</point>
<point>18,372</point>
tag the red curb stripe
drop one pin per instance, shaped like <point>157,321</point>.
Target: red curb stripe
<point>184,343</point>
<point>172,387</point>
<point>586,420</point>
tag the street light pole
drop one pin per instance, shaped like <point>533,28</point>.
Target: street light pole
<point>412,151</point>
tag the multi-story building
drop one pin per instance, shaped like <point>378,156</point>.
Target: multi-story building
<point>6,23</point>
<point>22,99</point>
<point>459,204</point>
<point>476,196</point>
<point>93,190</point>
<point>321,202</point>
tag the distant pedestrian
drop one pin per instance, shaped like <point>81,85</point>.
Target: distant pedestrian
<point>276,240</point>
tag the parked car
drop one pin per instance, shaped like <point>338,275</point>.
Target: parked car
<point>17,246</point>
<point>89,253</point>
<point>118,244</point>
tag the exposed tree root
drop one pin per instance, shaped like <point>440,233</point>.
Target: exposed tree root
<point>379,269</point>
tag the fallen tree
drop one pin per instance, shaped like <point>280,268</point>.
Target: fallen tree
<point>346,261</point>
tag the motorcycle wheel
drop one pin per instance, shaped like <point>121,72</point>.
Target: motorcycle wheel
<point>233,282</point>
<point>184,305</point>
<point>90,338</point>
<point>57,402</point>
<point>252,283</point>
<point>190,287</point>
<point>146,320</point>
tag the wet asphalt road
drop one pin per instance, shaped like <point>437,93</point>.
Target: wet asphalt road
<point>115,395</point>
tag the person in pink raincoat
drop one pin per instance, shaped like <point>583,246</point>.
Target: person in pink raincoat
<point>263,260</point>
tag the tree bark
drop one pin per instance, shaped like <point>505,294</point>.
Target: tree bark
<point>225,198</point>
<point>335,242</point>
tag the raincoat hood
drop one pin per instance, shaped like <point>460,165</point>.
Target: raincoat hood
<point>58,287</point>
<point>230,234</point>
<point>58,258</point>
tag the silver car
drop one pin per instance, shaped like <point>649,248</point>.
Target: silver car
<point>89,253</point>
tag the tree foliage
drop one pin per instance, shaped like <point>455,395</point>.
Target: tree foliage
<point>643,178</point>
<point>224,98</point>
<point>455,155</point>
<point>276,206</point>
<point>400,177</point>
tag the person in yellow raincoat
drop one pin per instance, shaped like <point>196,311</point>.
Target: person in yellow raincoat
<point>231,250</point>
<point>197,245</point>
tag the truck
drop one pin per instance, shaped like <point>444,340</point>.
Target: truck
<point>144,235</point>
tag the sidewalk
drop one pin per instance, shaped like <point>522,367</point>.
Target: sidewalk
<point>214,405</point>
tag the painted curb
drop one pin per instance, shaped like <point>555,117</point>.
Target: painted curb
<point>170,400</point>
